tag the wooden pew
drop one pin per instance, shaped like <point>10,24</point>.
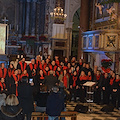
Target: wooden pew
<point>40,115</point>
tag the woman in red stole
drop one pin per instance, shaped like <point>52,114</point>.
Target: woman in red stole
<point>64,78</point>
<point>14,83</point>
<point>73,85</point>
<point>3,88</point>
<point>11,70</point>
<point>97,93</point>
<point>82,92</point>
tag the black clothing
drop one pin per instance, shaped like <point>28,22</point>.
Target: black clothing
<point>106,92</point>
<point>50,81</point>
<point>55,104</point>
<point>25,97</point>
<point>41,99</point>
<point>11,113</point>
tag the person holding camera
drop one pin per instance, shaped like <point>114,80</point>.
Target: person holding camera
<point>25,96</point>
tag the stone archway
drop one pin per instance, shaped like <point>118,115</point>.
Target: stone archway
<point>71,6</point>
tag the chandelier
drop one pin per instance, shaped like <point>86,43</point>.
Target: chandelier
<point>58,14</point>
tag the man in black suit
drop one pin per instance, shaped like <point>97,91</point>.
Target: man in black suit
<point>25,96</point>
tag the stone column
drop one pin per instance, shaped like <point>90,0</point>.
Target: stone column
<point>20,18</point>
<point>27,22</point>
<point>69,32</point>
<point>33,17</point>
<point>84,23</point>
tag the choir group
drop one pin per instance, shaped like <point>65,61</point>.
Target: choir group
<point>72,74</point>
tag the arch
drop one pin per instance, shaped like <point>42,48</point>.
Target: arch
<point>74,11</point>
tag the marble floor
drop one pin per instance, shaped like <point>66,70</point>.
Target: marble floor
<point>95,113</point>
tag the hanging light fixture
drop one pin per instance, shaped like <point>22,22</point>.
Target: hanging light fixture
<point>58,13</point>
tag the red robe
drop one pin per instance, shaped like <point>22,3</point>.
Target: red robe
<point>90,78</point>
<point>46,73</point>
<point>3,86</point>
<point>112,80</point>
<point>23,67</point>
<point>74,78</point>
<point>10,72</point>
<point>16,79</point>
<point>31,68</point>
<point>1,73</point>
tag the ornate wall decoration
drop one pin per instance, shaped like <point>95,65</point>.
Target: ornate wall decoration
<point>90,42</point>
<point>111,41</point>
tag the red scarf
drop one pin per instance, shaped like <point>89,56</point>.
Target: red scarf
<point>83,78</point>
<point>97,77</point>
<point>117,80</point>
<point>112,80</point>
<point>2,86</point>
<point>1,73</point>
<point>31,66</point>
<point>64,79</point>
<point>23,67</point>
<point>53,67</point>
<point>41,66</point>
<point>38,62</point>
<point>16,79</point>
<point>90,77</point>
<point>41,77</point>
<point>74,80</point>
<point>81,63</point>
<point>57,62</point>
<point>10,72</point>
<point>46,73</point>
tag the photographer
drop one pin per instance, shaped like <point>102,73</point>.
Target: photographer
<point>25,96</point>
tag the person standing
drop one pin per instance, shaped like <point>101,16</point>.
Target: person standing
<point>25,96</point>
<point>55,104</point>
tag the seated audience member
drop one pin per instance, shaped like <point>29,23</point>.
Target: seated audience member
<point>55,104</point>
<point>3,88</point>
<point>41,99</point>
<point>2,99</point>
<point>12,110</point>
<point>25,96</point>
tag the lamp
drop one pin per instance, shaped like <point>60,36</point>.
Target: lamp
<point>58,14</point>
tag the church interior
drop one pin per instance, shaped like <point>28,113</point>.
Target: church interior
<point>84,29</point>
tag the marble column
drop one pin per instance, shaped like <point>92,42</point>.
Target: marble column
<point>20,17</point>
<point>84,23</point>
<point>33,17</point>
<point>27,22</point>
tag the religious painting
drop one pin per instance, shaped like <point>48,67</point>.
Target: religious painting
<point>104,12</point>
<point>111,41</point>
<point>96,41</point>
<point>84,42</point>
<point>90,42</point>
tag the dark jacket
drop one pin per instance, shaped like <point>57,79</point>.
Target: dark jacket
<point>55,104</point>
<point>11,113</point>
<point>25,96</point>
<point>50,81</point>
<point>41,99</point>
